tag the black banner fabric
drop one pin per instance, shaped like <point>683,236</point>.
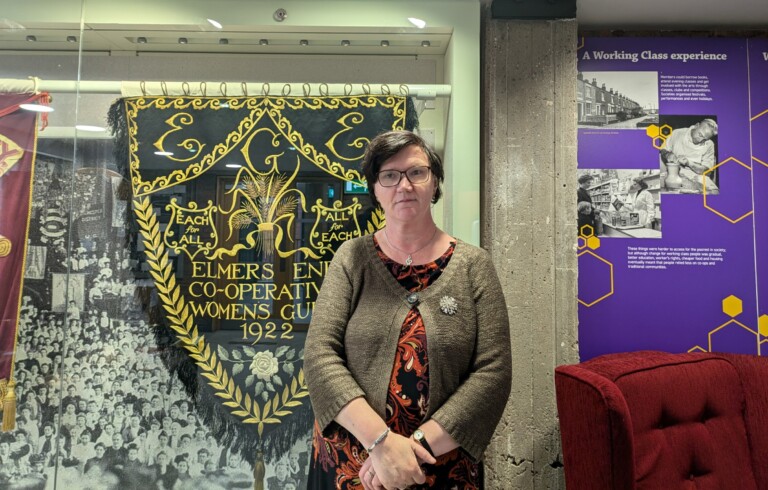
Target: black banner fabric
<point>239,205</point>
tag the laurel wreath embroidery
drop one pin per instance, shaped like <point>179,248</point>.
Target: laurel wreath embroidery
<point>182,322</point>
<point>377,221</point>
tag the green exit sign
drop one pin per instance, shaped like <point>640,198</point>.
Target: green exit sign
<point>355,188</point>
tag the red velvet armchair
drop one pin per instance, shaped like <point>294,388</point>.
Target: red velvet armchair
<point>656,421</point>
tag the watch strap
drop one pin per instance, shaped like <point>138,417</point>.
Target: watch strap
<point>423,441</point>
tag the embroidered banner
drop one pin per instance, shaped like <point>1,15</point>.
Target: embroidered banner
<point>17,157</point>
<point>240,204</point>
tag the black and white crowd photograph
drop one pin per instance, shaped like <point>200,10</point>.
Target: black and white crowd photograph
<point>97,407</point>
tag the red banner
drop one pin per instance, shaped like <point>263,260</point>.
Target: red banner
<point>18,136</point>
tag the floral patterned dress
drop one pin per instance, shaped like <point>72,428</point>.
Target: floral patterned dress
<point>337,459</point>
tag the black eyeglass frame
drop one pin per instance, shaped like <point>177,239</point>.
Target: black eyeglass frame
<point>403,172</point>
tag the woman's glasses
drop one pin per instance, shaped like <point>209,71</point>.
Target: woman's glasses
<point>415,175</point>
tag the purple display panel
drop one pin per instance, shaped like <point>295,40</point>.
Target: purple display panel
<point>686,281</point>
<point>758,82</point>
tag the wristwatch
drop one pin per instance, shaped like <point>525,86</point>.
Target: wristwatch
<point>418,436</point>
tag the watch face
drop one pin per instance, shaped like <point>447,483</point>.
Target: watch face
<point>418,434</point>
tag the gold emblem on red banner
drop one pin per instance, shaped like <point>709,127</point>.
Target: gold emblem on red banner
<point>5,246</point>
<point>10,154</point>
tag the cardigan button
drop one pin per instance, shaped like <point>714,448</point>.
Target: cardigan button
<point>412,299</point>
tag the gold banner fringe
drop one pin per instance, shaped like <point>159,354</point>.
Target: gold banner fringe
<point>8,394</point>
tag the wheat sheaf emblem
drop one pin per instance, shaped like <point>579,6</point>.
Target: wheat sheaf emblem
<point>269,201</point>
<point>266,199</point>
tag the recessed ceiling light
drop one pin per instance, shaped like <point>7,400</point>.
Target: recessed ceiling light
<point>385,43</point>
<point>183,40</point>
<point>345,42</point>
<point>215,23</point>
<point>264,42</point>
<point>31,39</point>
<point>71,39</point>
<point>36,107</point>
<point>164,153</point>
<point>89,128</point>
<point>425,44</point>
<point>223,40</point>
<point>304,42</point>
<point>233,165</point>
<point>141,40</point>
<point>421,24</point>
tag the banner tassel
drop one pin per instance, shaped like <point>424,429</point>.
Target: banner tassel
<point>258,471</point>
<point>9,407</point>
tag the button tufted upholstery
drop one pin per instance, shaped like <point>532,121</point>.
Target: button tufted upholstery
<point>656,421</point>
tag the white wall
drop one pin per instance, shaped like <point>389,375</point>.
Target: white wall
<point>455,124</point>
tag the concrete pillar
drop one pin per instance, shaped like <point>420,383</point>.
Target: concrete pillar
<point>529,225</point>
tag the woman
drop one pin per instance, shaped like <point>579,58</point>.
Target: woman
<point>586,210</point>
<point>31,402</point>
<point>28,424</point>
<point>408,355</point>
<point>182,467</point>
<point>641,202</point>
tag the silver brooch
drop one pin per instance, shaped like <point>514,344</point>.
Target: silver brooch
<point>448,305</point>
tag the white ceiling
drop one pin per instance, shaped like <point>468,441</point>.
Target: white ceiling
<point>646,15</point>
<point>672,14</point>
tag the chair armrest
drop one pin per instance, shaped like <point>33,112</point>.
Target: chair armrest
<point>596,431</point>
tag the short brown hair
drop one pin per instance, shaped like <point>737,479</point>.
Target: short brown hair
<point>386,145</point>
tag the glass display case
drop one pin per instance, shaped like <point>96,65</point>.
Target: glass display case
<point>197,172</point>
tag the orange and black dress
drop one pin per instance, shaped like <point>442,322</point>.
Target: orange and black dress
<point>337,459</point>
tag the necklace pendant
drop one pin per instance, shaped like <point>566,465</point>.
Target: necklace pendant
<point>408,262</point>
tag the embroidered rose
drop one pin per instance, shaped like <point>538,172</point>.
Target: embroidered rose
<point>264,365</point>
<point>448,305</point>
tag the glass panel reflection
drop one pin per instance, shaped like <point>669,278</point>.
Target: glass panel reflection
<point>167,308</point>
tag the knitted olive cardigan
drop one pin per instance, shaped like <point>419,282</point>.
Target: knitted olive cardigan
<point>356,322</point>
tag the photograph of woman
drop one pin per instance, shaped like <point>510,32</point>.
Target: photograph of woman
<point>640,201</point>
<point>621,203</point>
<point>408,353</point>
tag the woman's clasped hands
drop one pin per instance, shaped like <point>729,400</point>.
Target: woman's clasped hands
<point>395,463</point>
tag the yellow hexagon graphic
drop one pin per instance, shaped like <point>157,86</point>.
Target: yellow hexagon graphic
<point>652,131</point>
<point>582,242</point>
<point>607,287</point>
<point>759,125</point>
<point>730,329</point>
<point>729,159</point>
<point>732,306</point>
<point>658,143</point>
<point>762,325</point>
<point>665,131</point>
<point>587,231</point>
<point>593,242</point>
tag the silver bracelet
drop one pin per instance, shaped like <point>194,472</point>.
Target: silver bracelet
<point>378,440</point>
